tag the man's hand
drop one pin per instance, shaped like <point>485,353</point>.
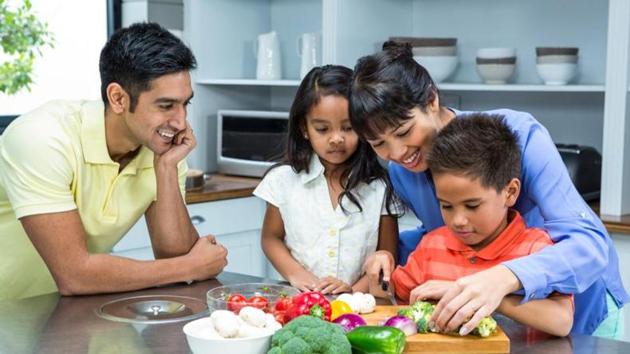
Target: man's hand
<point>210,257</point>
<point>183,143</point>
<point>473,297</point>
<point>332,285</point>
<point>430,290</point>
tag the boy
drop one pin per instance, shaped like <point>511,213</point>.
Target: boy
<point>475,163</point>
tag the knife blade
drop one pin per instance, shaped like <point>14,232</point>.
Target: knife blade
<point>387,287</point>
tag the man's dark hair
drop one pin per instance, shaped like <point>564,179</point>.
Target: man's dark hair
<point>386,86</point>
<point>477,146</point>
<point>138,54</point>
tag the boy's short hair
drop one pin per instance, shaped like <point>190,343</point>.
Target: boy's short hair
<point>477,146</point>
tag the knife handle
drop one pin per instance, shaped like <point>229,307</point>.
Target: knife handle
<point>384,284</point>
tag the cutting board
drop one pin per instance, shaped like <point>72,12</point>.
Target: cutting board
<point>429,343</point>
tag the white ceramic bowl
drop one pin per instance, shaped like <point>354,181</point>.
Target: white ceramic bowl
<point>439,67</point>
<point>496,53</point>
<point>434,51</point>
<point>553,59</point>
<point>556,73</point>
<point>202,341</point>
<point>495,74</point>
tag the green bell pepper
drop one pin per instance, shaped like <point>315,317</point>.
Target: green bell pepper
<point>376,339</point>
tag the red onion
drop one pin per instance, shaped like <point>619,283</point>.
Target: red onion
<point>348,321</point>
<point>403,323</point>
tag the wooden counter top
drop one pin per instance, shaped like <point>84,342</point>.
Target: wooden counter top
<point>219,187</point>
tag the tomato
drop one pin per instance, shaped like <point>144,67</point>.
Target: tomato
<point>282,304</point>
<point>236,302</point>
<point>279,316</point>
<point>257,301</point>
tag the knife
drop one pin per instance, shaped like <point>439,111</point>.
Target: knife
<point>389,288</point>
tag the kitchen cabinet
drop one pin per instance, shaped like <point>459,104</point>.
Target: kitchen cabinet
<point>592,110</point>
<point>236,223</point>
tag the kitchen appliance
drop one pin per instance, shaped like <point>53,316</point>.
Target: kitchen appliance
<point>309,49</point>
<point>269,64</point>
<point>584,165</point>
<point>249,142</point>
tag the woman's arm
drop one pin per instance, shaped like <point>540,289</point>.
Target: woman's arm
<point>553,315</point>
<point>275,249</point>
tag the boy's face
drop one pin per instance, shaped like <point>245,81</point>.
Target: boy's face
<point>476,214</point>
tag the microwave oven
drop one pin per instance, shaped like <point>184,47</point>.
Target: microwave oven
<point>249,142</point>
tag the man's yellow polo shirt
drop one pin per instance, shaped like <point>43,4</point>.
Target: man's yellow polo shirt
<point>55,159</point>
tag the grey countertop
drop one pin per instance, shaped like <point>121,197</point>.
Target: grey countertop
<point>54,324</point>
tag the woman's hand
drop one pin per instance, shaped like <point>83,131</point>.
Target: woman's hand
<point>430,290</point>
<point>473,297</point>
<point>377,262</point>
<point>332,285</point>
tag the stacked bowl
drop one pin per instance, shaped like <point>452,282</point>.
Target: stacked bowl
<point>437,55</point>
<point>496,65</point>
<point>556,65</point>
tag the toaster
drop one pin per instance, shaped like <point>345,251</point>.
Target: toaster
<point>584,165</point>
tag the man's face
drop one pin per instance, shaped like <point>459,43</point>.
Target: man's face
<point>161,112</point>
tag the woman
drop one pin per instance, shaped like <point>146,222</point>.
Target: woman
<point>394,105</point>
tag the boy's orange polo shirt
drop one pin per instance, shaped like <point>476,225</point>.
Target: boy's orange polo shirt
<point>442,256</point>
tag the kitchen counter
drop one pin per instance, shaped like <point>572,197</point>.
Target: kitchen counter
<point>54,324</point>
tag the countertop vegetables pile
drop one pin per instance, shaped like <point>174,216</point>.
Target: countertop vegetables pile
<point>420,312</point>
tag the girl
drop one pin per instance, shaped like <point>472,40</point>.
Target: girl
<point>328,204</point>
<point>394,105</point>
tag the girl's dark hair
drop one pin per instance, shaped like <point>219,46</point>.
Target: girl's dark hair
<point>362,166</point>
<point>138,54</point>
<point>480,146</point>
<point>385,87</point>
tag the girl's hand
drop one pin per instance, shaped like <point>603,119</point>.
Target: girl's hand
<point>304,282</point>
<point>374,263</point>
<point>331,285</point>
<point>430,290</point>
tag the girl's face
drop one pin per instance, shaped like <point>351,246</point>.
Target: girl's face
<point>408,143</point>
<point>474,213</point>
<point>329,131</point>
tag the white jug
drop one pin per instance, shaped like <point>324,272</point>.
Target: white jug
<point>269,66</point>
<point>309,49</point>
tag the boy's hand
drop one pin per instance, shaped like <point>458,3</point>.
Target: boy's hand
<point>430,290</point>
<point>304,282</point>
<point>332,285</point>
<point>377,261</point>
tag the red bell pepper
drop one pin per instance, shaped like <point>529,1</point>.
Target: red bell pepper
<point>310,303</point>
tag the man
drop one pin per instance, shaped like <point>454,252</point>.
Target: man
<point>75,176</point>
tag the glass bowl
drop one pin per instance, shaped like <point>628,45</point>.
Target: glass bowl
<point>218,297</point>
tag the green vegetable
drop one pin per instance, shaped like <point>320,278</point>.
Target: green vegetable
<point>309,335</point>
<point>421,311</point>
<point>376,340</point>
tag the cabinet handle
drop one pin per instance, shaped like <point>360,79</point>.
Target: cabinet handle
<point>196,220</point>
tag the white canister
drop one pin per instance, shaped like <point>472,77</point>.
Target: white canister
<point>309,49</point>
<point>269,65</point>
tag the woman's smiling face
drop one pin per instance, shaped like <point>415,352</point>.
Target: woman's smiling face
<point>408,143</point>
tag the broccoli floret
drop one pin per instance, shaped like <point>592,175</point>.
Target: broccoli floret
<point>308,334</point>
<point>420,312</point>
<point>486,327</point>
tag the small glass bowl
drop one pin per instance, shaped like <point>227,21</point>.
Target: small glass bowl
<point>217,297</point>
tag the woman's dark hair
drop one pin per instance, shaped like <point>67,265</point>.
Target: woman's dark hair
<point>362,166</point>
<point>385,87</point>
<point>137,54</point>
<point>477,146</point>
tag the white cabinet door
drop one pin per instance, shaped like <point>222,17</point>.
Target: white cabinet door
<point>245,256</point>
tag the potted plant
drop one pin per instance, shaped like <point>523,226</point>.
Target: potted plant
<point>22,36</point>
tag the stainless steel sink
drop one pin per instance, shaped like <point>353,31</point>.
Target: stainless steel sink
<point>153,309</point>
